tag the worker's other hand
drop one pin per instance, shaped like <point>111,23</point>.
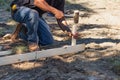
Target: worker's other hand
<point>58,14</point>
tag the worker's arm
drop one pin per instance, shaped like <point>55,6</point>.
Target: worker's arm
<point>16,32</point>
<point>42,4</point>
<point>64,26</point>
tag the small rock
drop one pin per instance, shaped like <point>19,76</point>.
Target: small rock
<point>92,54</point>
<point>92,78</point>
<point>54,70</point>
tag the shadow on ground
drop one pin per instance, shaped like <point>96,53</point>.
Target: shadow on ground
<point>71,66</point>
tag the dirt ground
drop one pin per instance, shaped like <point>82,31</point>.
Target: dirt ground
<point>99,29</point>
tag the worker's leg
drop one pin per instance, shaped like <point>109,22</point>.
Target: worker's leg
<point>23,32</point>
<point>30,18</point>
<point>44,33</point>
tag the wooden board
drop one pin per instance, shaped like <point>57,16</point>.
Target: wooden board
<point>2,53</point>
<point>61,51</point>
<point>40,54</point>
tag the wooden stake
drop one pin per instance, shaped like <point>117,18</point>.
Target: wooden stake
<point>74,28</point>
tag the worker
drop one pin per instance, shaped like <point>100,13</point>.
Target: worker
<point>29,13</point>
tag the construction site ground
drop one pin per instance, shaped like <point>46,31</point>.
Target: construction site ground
<point>99,30</point>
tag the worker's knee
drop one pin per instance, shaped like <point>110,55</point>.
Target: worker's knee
<point>34,15</point>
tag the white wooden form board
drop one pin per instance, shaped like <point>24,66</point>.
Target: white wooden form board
<point>10,59</point>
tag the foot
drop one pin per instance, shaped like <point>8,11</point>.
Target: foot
<point>33,47</point>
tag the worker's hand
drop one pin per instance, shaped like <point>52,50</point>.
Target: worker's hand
<point>58,14</point>
<point>69,34</point>
<point>73,35</point>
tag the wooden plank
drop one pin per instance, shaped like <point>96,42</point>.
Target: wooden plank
<point>39,54</point>
<point>17,58</point>
<point>61,51</point>
<point>2,53</point>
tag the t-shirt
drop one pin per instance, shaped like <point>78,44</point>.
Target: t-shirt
<point>59,4</point>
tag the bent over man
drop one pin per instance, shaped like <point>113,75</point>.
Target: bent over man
<point>29,13</point>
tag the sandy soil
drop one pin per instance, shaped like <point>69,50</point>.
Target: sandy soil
<point>99,29</point>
